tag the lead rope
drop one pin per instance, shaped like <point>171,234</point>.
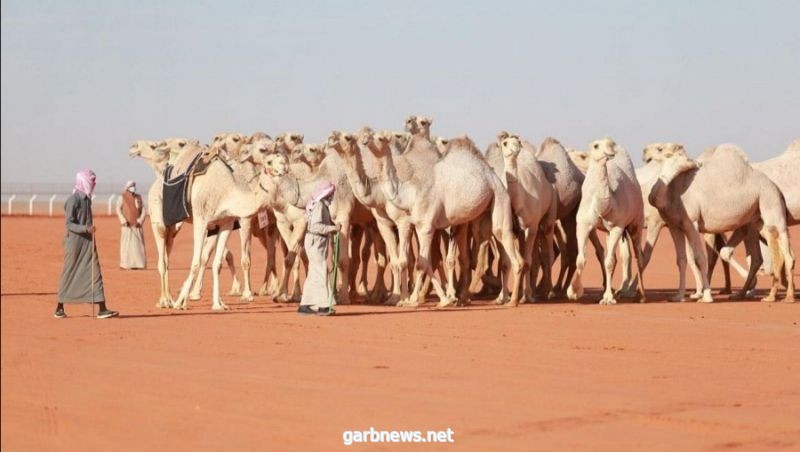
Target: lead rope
<point>335,271</point>
<point>93,257</point>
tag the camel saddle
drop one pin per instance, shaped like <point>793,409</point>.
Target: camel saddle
<point>178,180</point>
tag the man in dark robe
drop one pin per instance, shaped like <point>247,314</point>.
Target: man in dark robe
<point>81,280</point>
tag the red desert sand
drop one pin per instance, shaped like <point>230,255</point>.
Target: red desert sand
<point>558,375</point>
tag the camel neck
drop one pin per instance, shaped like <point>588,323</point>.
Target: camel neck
<point>358,178</point>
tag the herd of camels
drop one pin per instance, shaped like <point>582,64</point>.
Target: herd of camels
<point>488,224</point>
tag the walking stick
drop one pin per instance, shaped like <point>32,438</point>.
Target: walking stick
<point>93,257</point>
<point>335,270</point>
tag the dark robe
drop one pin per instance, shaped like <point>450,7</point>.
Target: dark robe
<point>75,285</point>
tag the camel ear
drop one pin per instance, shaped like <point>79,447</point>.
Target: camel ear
<point>502,135</point>
<point>679,148</point>
<point>299,137</point>
<point>425,121</point>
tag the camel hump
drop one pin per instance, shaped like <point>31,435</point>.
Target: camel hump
<point>185,160</point>
<point>794,147</point>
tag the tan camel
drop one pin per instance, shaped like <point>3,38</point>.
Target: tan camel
<point>460,187</point>
<point>782,170</point>
<point>158,155</point>
<point>580,159</point>
<point>653,154</point>
<point>611,200</point>
<point>688,192</point>
<point>361,169</point>
<point>345,210</point>
<point>217,198</point>
<point>534,202</point>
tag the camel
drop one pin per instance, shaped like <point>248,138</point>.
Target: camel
<point>361,169</point>
<point>688,191</point>
<point>158,155</point>
<point>566,179</point>
<point>456,190</point>
<point>782,170</point>
<point>345,209</point>
<point>611,198</point>
<point>217,198</point>
<point>533,200</point>
<point>580,159</point>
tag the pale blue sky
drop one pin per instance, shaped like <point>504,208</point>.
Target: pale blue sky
<point>82,79</point>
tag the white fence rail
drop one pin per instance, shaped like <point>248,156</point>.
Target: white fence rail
<point>45,204</point>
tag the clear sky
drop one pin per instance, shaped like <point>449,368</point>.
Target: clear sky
<point>83,79</point>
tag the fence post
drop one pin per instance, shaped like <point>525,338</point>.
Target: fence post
<point>50,207</point>
<point>110,198</point>
<point>30,204</point>
<point>10,203</point>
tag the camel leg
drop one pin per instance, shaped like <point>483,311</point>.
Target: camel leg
<point>292,247</point>
<point>262,239</point>
<point>570,252</point>
<point>385,228</point>
<point>462,246</point>
<point>788,263</point>
<point>199,232</point>
<point>343,291</point>
<point>197,286</point>
<point>679,240</point>
<point>245,238</point>
<point>635,233</point>
<point>271,279</point>
<point>698,278</point>
<point>599,252</point>
<point>159,235</point>
<point>751,245</point>
<point>610,262</point>
<point>697,244</point>
<point>450,262</point>
<point>403,256</point>
<point>221,249</point>
<point>528,248</point>
<point>547,239</point>
<point>295,294</point>
<point>379,289</point>
<point>356,241</point>
<point>511,260</point>
<point>424,267</point>
<point>627,285</point>
<point>561,247</point>
<point>583,232</point>
<point>236,288</point>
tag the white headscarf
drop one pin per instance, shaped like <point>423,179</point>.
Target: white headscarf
<point>85,182</point>
<point>323,191</point>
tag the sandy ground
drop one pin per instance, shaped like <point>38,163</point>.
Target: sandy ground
<point>551,376</point>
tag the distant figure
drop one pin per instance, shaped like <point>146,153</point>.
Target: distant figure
<point>130,212</point>
<point>81,281</point>
<point>316,289</point>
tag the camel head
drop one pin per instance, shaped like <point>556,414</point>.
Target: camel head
<point>502,135</point>
<point>255,149</point>
<point>380,143</point>
<point>441,145</point>
<point>661,151</point>
<point>343,143</point>
<point>510,146</point>
<point>313,154</point>
<point>579,158</point>
<point>676,164</point>
<point>229,144</point>
<point>174,147</point>
<point>275,165</point>
<point>144,149</point>
<point>288,142</point>
<point>602,150</point>
<point>419,125</point>
<point>256,137</point>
